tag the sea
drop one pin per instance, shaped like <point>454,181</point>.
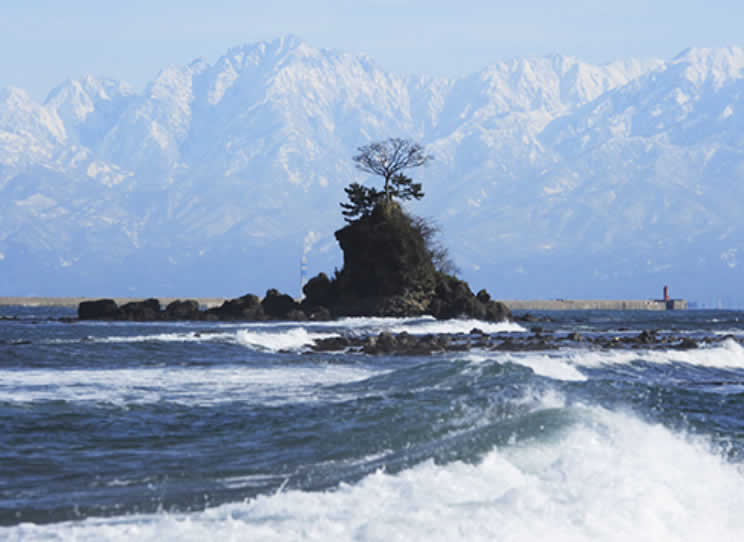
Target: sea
<point>240,431</point>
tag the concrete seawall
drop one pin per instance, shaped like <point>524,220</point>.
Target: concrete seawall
<point>596,304</point>
<point>513,304</point>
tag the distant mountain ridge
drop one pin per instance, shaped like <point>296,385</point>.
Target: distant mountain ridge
<point>552,178</point>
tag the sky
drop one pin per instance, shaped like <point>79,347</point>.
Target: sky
<point>44,42</point>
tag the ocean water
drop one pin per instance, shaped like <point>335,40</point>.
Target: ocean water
<point>209,431</point>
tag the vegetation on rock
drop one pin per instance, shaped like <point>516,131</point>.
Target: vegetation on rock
<point>388,159</point>
<point>393,263</point>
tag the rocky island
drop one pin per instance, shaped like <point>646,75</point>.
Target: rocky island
<point>392,264</point>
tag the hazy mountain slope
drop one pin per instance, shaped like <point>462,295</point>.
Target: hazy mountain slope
<point>552,177</point>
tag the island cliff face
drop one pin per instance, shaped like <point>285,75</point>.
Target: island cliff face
<point>388,270</point>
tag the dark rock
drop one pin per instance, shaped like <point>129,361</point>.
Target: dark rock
<point>453,298</point>
<point>483,296</point>
<point>320,314</point>
<point>387,342</point>
<point>98,309</point>
<point>444,341</point>
<point>319,292</point>
<point>247,307</point>
<point>686,344</point>
<point>646,337</point>
<point>183,310</point>
<point>384,343</point>
<point>389,271</point>
<point>385,254</point>
<point>461,345</point>
<point>278,306</point>
<point>496,311</point>
<point>332,344</point>
<point>296,315</point>
<point>575,336</point>
<point>140,311</point>
<point>411,304</point>
<point>370,346</point>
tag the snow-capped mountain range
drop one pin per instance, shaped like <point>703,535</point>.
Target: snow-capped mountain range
<point>552,177</point>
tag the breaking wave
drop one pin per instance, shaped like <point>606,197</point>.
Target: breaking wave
<point>607,477</point>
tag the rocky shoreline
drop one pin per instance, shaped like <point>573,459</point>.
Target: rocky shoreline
<point>249,308</point>
<point>387,343</point>
<point>453,300</point>
<point>534,340</point>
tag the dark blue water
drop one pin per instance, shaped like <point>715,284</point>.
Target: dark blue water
<point>160,431</point>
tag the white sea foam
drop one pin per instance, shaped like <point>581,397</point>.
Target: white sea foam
<point>423,327</point>
<point>420,325</point>
<point>260,338</point>
<point>727,354</point>
<point>291,339</point>
<point>734,332</point>
<point>374,324</point>
<point>277,336</point>
<point>190,337</point>
<point>556,366</point>
<point>610,478</point>
<point>188,386</point>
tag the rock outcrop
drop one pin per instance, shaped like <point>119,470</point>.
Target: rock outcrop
<point>405,344</point>
<point>388,270</point>
<point>98,309</point>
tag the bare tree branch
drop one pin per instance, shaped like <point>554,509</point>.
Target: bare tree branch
<point>389,157</point>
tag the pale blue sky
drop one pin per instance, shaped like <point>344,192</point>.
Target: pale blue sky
<point>43,42</point>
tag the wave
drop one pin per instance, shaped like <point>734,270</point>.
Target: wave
<point>182,337</point>
<point>258,339</point>
<point>282,336</point>
<point>727,354</point>
<point>566,364</point>
<point>292,339</point>
<point>556,366</point>
<point>426,326</point>
<point>608,477</point>
<point>186,386</point>
<point>417,324</point>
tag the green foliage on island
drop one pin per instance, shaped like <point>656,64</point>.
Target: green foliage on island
<point>387,159</point>
<point>394,264</point>
<point>363,199</point>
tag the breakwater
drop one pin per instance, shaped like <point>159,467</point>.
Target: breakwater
<point>513,304</point>
<point>596,304</point>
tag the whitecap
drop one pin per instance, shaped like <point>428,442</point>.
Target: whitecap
<point>557,365</point>
<point>610,477</point>
<point>724,355</point>
<point>200,386</point>
<point>291,339</point>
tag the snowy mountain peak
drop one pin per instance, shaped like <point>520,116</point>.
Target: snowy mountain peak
<point>540,161</point>
<point>555,84</point>
<point>20,114</point>
<point>716,66</point>
<point>273,52</point>
<point>15,97</point>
